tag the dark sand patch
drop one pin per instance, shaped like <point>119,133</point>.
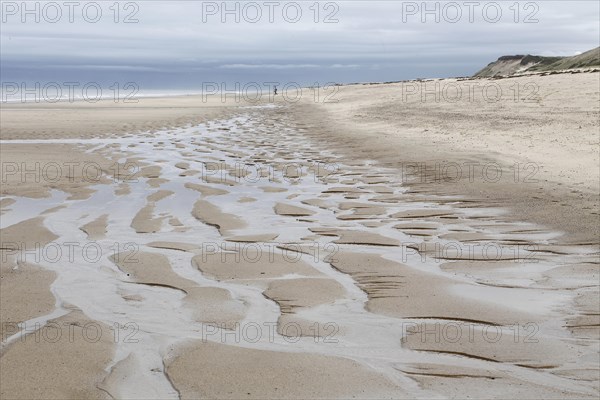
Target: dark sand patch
<point>251,264</point>
<point>62,369</point>
<point>96,229</point>
<point>291,210</point>
<point>205,370</point>
<point>212,215</point>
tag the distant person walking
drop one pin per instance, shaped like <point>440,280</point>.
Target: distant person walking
<point>275,91</point>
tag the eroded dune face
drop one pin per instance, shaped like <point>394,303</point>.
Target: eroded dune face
<point>248,260</point>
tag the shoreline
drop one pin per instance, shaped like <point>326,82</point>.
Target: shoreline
<point>385,284</point>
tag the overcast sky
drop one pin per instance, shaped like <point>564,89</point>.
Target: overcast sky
<point>180,44</point>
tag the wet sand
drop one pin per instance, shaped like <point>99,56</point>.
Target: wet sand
<point>290,250</point>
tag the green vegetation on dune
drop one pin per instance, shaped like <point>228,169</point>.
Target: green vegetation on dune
<point>510,65</point>
<point>540,61</point>
<point>590,58</point>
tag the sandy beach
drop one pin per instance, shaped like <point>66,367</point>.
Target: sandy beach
<point>419,239</point>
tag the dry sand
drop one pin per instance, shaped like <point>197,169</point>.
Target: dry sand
<point>550,129</point>
<point>81,119</point>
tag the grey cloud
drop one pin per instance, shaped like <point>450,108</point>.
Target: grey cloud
<point>370,42</point>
